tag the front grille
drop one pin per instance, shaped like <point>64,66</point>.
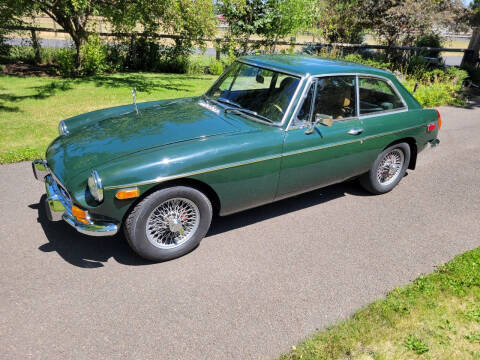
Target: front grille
<point>63,192</point>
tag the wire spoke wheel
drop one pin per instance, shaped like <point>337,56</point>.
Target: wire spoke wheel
<point>390,167</point>
<point>172,223</point>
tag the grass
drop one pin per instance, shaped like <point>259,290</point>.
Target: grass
<point>435,317</point>
<point>454,44</point>
<point>31,107</point>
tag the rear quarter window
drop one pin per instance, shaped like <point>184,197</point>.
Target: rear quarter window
<point>377,95</point>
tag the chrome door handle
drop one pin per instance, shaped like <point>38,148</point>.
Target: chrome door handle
<point>355,131</point>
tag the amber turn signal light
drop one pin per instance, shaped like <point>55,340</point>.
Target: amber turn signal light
<point>439,119</point>
<point>80,215</point>
<point>127,193</point>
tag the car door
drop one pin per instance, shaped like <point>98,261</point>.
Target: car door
<point>329,154</point>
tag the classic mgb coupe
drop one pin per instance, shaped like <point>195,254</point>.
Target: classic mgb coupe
<point>270,127</point>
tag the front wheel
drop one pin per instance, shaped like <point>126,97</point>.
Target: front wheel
<point>168,223</point>
<point>387,170</point>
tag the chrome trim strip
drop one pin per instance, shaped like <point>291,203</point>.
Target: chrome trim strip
<point>314,148</point>
<point>357,96</point>
<point>382,113</point>
<point>197,172</point>
<point>252,161</point>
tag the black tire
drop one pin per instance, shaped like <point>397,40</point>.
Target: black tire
<point>370,181</point>
<point>136,223</point>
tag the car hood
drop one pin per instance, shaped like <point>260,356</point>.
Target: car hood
<point>112,133</point>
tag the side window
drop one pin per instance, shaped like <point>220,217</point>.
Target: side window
<point>377,95</point>
<point>335,97</point>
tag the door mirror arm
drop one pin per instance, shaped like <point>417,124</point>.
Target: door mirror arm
<point>319,119</point>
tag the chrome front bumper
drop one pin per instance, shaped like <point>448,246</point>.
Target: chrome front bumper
<point>58,205</point>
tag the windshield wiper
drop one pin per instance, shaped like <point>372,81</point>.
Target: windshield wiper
<point>229,102</point>
<point>248,112</point>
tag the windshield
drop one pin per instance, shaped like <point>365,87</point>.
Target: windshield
<point>255,91</point>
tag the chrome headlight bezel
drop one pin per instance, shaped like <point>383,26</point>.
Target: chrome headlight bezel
<point>95,186</point>
<point>62,128</point>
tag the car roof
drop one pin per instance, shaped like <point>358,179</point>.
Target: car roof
<point>302,65</point>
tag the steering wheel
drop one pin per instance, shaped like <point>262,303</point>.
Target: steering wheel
<point>277,107</point>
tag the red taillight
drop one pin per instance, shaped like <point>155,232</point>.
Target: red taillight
<point>439,119</point>
<point>431,127</point>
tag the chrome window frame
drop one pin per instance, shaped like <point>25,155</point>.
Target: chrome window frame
<point>301,78</point>
<point>310,79</point>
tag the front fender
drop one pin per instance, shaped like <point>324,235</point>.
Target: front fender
<point>241,168</point>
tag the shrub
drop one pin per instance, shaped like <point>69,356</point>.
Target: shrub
<point>21,54</point>
<point>429,40</point>
<point>142,54</point>
<point>374,62</point>
<point>195,66</point>
<point>65,61</point>
<point>4,47</point>
<point>94,56</point>
<point>15,54</point>
<point>176,65</point>
<point>216,68</point>
<point>439,91</point>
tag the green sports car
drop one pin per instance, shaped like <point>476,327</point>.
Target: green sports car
<point>270,127</point>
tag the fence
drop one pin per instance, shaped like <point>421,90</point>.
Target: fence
<point>316,47</point>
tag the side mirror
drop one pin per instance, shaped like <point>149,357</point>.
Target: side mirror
<point>324,119</point>
<point>260,79</point>
<point>319,119</point>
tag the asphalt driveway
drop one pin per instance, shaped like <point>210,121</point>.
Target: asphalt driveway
<point>259,283</point>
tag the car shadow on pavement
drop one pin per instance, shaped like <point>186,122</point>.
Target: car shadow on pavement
<point>82,250</point>
<point>91,252</point>
<point>289,205</point>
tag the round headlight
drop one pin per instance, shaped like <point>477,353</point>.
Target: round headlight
<point>62,128</point>
<point>95,186</point>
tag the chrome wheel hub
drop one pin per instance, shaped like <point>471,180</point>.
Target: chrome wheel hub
<point>172,223</point>
<point>390,167</point>
<point>175,225</point>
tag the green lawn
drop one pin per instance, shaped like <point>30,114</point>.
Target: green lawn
<point>31,107</point>
<point>435,317</point>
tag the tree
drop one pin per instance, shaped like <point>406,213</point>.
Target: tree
<point>10,15</point>
<point>271,20</point>
<point>473,19</point>
<point>287,17</point>
<point>190,19</point>
<point>401,22</point>
<point>340,21</point>
<point>245,18</point>
<point>71,15</point>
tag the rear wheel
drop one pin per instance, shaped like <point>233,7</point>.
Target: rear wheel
<point>168,223</point>
<point>387,170</point>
